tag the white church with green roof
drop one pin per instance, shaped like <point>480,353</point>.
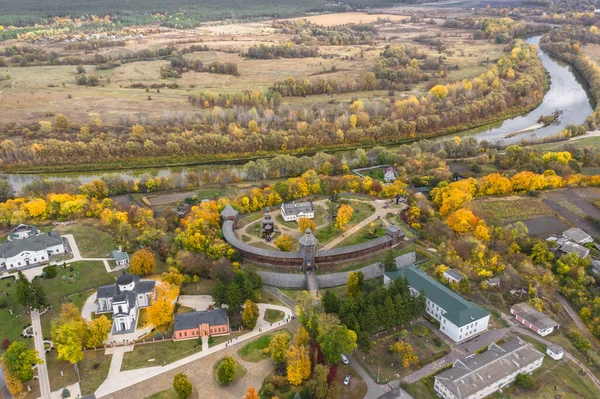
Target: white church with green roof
<point>459,319</point>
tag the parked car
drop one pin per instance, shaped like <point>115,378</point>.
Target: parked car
<point>347,380</point>
<point>344,359</point>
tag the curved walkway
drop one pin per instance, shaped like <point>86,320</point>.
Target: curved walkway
<point>118,379</point>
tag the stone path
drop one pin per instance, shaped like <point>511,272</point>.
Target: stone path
<point>289,302</point>
<point>38,339</point>
<point>118,380</point>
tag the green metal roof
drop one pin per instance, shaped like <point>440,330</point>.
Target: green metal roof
<point>459,311</point>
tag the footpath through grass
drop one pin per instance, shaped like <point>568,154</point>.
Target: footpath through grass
<point>254,351</point>
<point>92,242</point>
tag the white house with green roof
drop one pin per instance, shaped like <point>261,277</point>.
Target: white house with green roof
<point>459,319</point>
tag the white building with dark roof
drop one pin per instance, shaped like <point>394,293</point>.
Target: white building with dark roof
<point>124,299</point>
<point>453,276</point>
<point>555,352</point>
<point>31,251</point>
<point>534,319</point>
<point>478,376</point>
<point>292,211</point>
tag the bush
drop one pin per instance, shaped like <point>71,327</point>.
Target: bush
<point>420,330</point>
<point>226,370</point>
<point>525,381</point>
<point>3,305</point>
<point>5,343</point>
<point>50,271</point>
<point>403,334</point>
<point>211,340</point>
<point>182,386</point>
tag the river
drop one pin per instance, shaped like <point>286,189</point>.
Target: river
<point>567,93</point>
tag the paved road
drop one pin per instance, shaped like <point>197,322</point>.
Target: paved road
<point>575,317</point>
<point>39,346</point>
<point>289,302</point>
<point>374,390</point>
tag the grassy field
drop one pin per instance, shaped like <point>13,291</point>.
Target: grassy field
<point>92,242</point>
<point>365,234</point>
<point>362,211</point>
<point>162,352</point>
<point>272,315</point>
<point>502,210</point>
<point>254,350</point>
<point>11,326</point>
<point>93,369</point>
<point>202,287</point>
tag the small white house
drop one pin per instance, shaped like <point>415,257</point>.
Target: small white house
<point>121,258</point>
<point>452,276</point>
<point>292,211</point>
<point>555,352</point>
<point>389,175</point>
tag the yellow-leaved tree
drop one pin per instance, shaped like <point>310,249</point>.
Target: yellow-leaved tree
<point>306,223</point>
<point>284,243</point>
<point>98,332</point>
<point>160,312</point>
<point>462,221</point>
<point>142,262</point>
<point>344,215</point>
<point>439,91</point>
<point>298,364</point>
<point>405,353</point>
<point>172,276</point>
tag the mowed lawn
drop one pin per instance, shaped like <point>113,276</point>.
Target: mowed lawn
<point>92,242</point>
<point>79,277</point>
<point>362,210</point>
<point>11,326</point>
<point>162,352</point>
<point>254,351</point>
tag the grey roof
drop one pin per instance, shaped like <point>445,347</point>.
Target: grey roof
<point>123,296</point>
<point>533,316</point>
<point>213,317</point>
<point>294,208</point>
<point>454,274</point>
<point>32,230</point>
<point>232,239</point>
<point>35,243</point>
<point>228,212</point>
<point>141,287</point>
<point>392,229</point>
<point>493,280</point>
<point>459,311</point>
<point>308,239</point>
<point>577,235</point>
<point>120,255</point>
<point>555,349</point>
<point>476,372</point>
<point>570,247</point>
<point>127,278</point>
<point>106,291</point>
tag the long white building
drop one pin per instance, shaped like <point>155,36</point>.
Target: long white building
<point>459,319</point>
<point>30,251</point>
<point>292,211</point>
<point>478,376</point>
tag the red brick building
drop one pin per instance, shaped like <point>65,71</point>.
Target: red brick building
<point>203,323</point>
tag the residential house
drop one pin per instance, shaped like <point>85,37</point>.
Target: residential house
<point>203,323</point>
<point>477,376</point>
<point>578,236</point>
<point>567,247</point>
<point>121,258</point>
<point>31,251</point>
<point>533,319</point>
<point>459,319</point>
<point>292,211</point>
<point>493,282</point>
<point>453,276</point>
<point>389,175</point>
<point>124,299</point>
<point>555,352</point>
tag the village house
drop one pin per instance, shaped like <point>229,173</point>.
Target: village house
<point>477,376</point>
<point>555,352</point>
<point>578,236</point>
<point>389,175</point>
<point>292,211</point>
<point>202,323</point>
<point>459,319</point>
<point>121,258</point>
<point>453,276</point>
<point>31,251</point>
<point>124,299</point>
<point>533,319</point>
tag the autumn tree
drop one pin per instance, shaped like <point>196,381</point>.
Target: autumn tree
<point>301,337</point>
<point>160,312</point>
<point>462,221</point>
<point>439,91</point>
<point>68,334</point>
<point>142,262</point>
<point>317,385</point>
<point>278,347</point>
<point>98,331</point>
<point>306,223</point>
<point>226,370</point>
<point>251,394</point>
<point>250,314</point>
<point>355,283</point>
<point>334,338</point>
<point>344,214</point>
<point>173,276</point>
<point>18,360</point>
<point>182,386</point>
<point>298,364</point>
<point>284,243</point>
<point>405,353</point>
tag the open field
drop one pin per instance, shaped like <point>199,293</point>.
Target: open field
<point>508,209</point>
<point>254,351</point>
<point>349,18</point>
<point>92,243</point>
<point>11,326</point>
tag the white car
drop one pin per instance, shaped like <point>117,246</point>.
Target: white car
<point>347,380</point>
<point>344,359</point>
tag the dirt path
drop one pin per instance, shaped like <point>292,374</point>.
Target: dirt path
<point>574,219</point>
<point>575,317</point>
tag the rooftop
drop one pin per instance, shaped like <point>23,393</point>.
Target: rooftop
<point>212,317</point>
<point>533,316</point>
<point>120,255</point>
<point>459,311</point>
<point>476,372</point>
<point>571,247</point>
<point>228,212</point>
<point>294,208</point>
<point>577,235</point>
<point>555,349</point>
<point>454,274</point>
<point>35,243</point>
